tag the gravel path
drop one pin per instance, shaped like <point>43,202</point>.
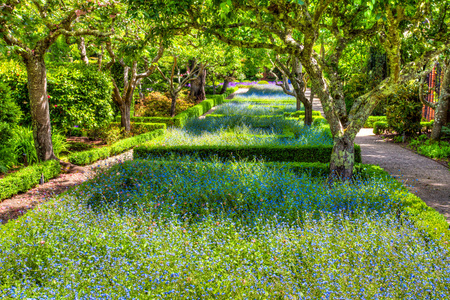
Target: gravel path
<point>421,175</point>
<point>424,177</point>
<point>19,204</point>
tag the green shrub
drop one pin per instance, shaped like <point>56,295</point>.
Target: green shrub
<point>404,110</point>
<point>230,91</point>
<point>10,115</point>
<point>160,120</point>
<point>23,145</point>
<point>141,127</point>
<point>268,153</point>
<point>301,113</point>
<point>318,121</point>
<point>380,127</point>
<point>27,178</point>
<point>156,104</point>
<point>431,149</point>
<point>372,119</point>
<point>78,94</point>
<point>263,82</point>
<point>90,156</point>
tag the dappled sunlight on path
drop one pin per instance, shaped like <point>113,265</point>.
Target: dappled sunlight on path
<point>421,175</point>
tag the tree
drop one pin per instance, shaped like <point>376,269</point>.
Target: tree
<point>293,28</point>
<point>129,50</point>
<point>292,69</point>
<point>174,89</point>
<point>29,28</point>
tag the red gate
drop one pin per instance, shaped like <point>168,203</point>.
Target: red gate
<point>434,80</point>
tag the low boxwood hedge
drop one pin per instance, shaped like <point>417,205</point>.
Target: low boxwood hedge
<point>90,156</point>
<point>380,127</point>
<point>143,127</point>
<point>301,113</point>
<point>372,119</point>
<point>180,119</point>
<point>27,178</point>
<point>268,153</point>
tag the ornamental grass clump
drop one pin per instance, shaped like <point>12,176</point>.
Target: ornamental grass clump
<point>236,230</point>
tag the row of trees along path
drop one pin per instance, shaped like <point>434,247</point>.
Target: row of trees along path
<point>424,177</point>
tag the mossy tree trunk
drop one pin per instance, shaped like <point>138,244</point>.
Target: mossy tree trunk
<point>40,112</point>
<point>197,91</point>
<point>123,96</point>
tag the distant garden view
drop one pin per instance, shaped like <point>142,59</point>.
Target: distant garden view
<point>218,140</point>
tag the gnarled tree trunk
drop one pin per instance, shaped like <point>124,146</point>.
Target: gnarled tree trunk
<point>308,114</point>
<point>82,48</point>
<point>40,113</point>
<point>342,157</point>
<point>224,86</point>
<point>442,107</point>
<point>198,86</point>
<point>125,116</point>
<point>173,105</point>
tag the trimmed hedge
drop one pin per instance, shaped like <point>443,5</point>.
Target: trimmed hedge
<point>272,153</point>
<point>230,91</point>
<point>318,121</point>
<point>90,156</point>
<point>143,127</point>
<point>27,178</point>
<point>180,119</point>
<point>247,116</point>
<point>370,122</point>
<point>380,127</point>
<point>301,113</point>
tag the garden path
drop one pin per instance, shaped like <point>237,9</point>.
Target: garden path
<point>19,204</point>
<point>424,177</point>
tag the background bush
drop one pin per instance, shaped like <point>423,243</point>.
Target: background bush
<point>10,115</point>
<point>78,94</point>
<point>156,104</point>
<point>404,110</point>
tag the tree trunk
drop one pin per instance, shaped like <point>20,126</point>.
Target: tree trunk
<point>198,87</point>
<point>214,87</point>
<point>342,158</point>
<point>224,86</point>
<point>442,107</point>
<point>286,83</point>
<point>173,106</point>
<point>82,48</point>
<point>308,114</point>
<point>100,59</point>
<point>40,113</point>
<point>125,117</point>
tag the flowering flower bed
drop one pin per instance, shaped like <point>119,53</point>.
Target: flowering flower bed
<point>211,230</point>
<point>149,229</point>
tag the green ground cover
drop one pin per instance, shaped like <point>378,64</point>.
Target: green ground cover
<point>183,228</point>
